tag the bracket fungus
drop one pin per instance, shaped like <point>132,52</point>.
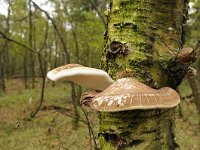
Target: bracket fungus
<point>123,94</point>
<point>186,55</point>
<point>88,77</point>
<point>129,94</point>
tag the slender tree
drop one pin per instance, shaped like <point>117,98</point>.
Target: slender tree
<point>192,37</point>
<point>68,59</point>
<point>43,66</point>
<point>4,56</point>
<point>32,62</point>
<point>142,41</point>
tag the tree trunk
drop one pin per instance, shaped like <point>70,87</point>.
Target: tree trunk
<point>2,77</point>
<point>6,47</point>
<point>142,41</point>
<point>43,75</point>
<point>32,62</point>
<point>195,93</point>
<point>4,54</point>
<point>2,67</point>
<point>25,67</point>
<point>77,58</point>
<point>67,54</point>
<point>43,70</point>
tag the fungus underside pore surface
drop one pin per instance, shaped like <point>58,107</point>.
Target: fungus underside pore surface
<point>151,33</point>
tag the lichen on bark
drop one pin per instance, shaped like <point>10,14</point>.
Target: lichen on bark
<point>148,35</point>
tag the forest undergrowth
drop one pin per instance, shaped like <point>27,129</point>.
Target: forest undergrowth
<point>52,129</point>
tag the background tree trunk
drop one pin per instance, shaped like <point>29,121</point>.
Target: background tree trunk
<point>2,77</point>
<point>195,93</point>
<point>4,54</point>
<point>63,40</point>
<point>6,47</point>
<point>25,68</point>
<point>32,63</point>
<point>142,41</point>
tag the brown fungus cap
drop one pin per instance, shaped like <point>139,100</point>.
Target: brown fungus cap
<point>129,94</point>
<point>186,55</point>
<point>85,76</point>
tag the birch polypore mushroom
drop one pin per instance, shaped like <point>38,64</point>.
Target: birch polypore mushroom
<point>88,77</point>
<point>129,94</point>
<point>186,55</point>
<point>58,73</point>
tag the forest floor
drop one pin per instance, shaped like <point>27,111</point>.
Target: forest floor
<point>54,130</point>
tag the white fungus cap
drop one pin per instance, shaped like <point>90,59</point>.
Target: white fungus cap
<point>88,77</point>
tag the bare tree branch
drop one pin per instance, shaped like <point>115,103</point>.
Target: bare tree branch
<point>67,53</point>
<point>16,42</point>
<point>56,29</point>
<point>62,110</point>
<point>73,31</point>
<point>98,12</point>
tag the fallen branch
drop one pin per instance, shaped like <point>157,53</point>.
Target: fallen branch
<point>61,110</point>
<point>56,108</point>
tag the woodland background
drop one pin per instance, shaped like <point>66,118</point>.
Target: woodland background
<point>37,37</point>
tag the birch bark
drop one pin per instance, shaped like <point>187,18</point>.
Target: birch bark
<point>142,40</point>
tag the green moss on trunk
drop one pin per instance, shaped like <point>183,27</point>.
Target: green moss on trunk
<point>143,38</point>
<point>137,129</point>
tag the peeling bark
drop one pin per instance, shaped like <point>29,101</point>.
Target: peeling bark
<point>142,41</point>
